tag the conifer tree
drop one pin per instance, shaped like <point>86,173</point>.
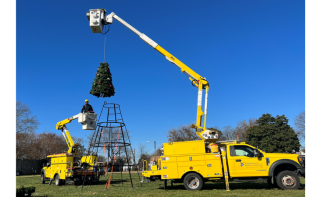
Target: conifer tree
<point>273,134</point>
<point>102,85</point>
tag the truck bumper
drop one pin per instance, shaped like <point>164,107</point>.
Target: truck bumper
<point>302,172</point>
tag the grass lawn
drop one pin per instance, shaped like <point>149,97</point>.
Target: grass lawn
<point>155,188</point>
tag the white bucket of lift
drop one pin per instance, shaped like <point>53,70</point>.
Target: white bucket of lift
<point>88,121</point>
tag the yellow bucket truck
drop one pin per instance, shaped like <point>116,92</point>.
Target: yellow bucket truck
<point>208,159</point>
<point>196,162</point>
<point>68,168</point>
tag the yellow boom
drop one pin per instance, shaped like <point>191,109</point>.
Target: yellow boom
<point>98,19</point>
<point>73,148</point>
<point>200,82</point>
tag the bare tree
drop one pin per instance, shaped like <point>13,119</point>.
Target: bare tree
<point>25,122</point>
<point>142,149</point>
<point>38,146</point>
<point>101,158</point>
<point>228,133</point>
<point>142,158</point>
<point>299,122</point>
<point>241,129</point>
<point>183,133</point>
<point>24,145</point>
<point>81,142</point>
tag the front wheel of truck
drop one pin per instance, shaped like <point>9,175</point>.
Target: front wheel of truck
<point>193,181</point>
<point>43,178</point>
<point>57,180</point>
<point>288,180</point>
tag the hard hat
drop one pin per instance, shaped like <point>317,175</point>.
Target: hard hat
<point>86,100</point>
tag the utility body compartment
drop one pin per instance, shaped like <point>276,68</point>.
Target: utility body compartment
<point>183,157</point>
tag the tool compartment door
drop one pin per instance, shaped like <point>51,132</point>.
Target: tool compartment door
<point>169,168</point>
<point>213,165</point>
<point>191,163</point>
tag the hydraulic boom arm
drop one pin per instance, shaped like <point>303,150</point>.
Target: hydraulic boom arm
<point>88,121</point>
<point>73,148</point>
<point>98,19</point>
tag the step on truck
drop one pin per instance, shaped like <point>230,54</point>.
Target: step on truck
<point>196,162</point>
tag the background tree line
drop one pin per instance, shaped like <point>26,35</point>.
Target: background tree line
<point>269,133</point>
<point>272,134</point>
<point>32,145</point>
<point>186,133</point>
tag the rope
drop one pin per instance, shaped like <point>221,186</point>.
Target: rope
<point>114,158</point>
<point>104,53</point>
<point>105,40</point>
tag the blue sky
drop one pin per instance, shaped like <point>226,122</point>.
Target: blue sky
<point>251,52</point>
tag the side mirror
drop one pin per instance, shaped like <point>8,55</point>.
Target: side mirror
<point>256,153</point>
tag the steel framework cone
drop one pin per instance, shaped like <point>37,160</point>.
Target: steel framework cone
<point>113,137</point>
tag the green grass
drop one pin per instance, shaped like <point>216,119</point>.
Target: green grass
<point>155,188</point>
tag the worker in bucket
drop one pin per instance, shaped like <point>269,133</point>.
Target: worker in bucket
<point>87,107</point>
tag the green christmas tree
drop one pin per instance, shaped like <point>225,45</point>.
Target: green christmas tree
<point>273,134</point>
<point>102,85</point>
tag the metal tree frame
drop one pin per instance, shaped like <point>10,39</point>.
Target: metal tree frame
<point>106,130</point>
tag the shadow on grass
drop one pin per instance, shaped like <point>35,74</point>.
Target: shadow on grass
<point>112,182</point>
<point>99,183</point>
<point>233,186</point>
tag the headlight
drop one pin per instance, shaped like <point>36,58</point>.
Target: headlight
<point>301,161</point>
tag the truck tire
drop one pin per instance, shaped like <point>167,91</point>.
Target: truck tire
<point>288,180</point>
<point>43,178</point>
<point>193,181</point>
<point>57,180</point>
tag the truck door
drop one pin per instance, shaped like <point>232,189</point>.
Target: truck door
<point>245,164</point>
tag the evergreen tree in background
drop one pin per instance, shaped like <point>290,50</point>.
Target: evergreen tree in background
<point>102,85</point>
<point>273,134</point>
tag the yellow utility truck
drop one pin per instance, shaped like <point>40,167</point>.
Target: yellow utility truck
<point>196,162</point>
<point>69,168</point>
<point>208,159</point>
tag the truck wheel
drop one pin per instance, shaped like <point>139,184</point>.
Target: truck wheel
<point>193,181</point>
<point>43,178</point>
<point>57,180</point>
<point>288,180</point>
